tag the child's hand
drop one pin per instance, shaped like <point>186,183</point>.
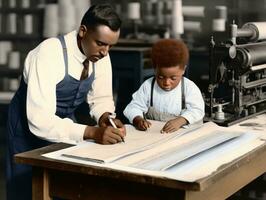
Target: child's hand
<point>174,125</point>
<point>141,124</point>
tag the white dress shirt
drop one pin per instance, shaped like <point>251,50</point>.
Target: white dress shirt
<point>167,101</point>
<point>44,68</point>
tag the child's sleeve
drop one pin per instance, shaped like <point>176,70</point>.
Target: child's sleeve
<point>139,102</point>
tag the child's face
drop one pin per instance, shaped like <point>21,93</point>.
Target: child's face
<point>168,77</point>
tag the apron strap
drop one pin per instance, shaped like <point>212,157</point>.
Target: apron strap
<point>183,102</point>
<point>152,86</point>
<point>93,70</point>
<point>183,105</point>
<point>63,43</point>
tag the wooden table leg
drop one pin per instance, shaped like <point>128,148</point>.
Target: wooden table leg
<point>40,184</point>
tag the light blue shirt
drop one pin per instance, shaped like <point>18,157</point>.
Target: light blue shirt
<point>167,101</point>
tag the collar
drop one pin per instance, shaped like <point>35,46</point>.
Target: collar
<point>72,46</point>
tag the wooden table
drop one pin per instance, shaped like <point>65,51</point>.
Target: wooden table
<point>54,178</point>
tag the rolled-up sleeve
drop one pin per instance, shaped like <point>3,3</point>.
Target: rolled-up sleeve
<point>139,102</point>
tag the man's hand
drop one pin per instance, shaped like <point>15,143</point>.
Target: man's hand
<point>105,122</point>
<point>104,135</point>
<point>174,125</point>
<point>141,124</point>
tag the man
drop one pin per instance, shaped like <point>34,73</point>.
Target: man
<point>59,75</point>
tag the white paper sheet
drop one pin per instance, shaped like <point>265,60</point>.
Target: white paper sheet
<point>135,141</point>
<point>195,167</point>
<point>254,124</point>
<point>209,161</point>
<point>177,152</point>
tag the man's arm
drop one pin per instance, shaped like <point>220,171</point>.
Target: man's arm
<point>100,98</point>
<point>43,70</point>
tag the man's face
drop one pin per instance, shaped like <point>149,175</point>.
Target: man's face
<point>168,77</point>
<point>96,43</point>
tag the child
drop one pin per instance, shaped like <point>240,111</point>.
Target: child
<point>168,96</point>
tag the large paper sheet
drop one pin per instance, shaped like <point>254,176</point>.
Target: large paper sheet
<point>190,169</point>
<point>177,152</point>
<point>135,141</point>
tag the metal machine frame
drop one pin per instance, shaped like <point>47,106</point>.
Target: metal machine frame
<point>237,75</point>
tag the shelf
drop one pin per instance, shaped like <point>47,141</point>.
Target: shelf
<point>6,96</point>
<point>22,28</point>
<point>22,10</point>
<point>122,42</point>
<point>20,37</point>
<point>11,73</point>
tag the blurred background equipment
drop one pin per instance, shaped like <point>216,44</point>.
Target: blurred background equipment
<point>237,70</point>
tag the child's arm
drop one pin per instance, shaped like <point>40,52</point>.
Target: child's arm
<point>174,124</point>
<point>194,110</point>
<point>139,102</point>
<point>141,124</point>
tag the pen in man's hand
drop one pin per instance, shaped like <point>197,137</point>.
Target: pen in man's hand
<point>113,124</point>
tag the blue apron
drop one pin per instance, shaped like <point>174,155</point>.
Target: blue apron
<point>70,93</point>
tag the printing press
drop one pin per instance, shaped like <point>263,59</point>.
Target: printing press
<point>237,75</point>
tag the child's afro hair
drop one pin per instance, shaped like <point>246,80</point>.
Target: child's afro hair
<point>169,53</point>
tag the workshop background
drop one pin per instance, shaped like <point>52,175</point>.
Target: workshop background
<point>25,23</point>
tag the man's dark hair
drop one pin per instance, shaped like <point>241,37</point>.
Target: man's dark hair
<point>101,14</point>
